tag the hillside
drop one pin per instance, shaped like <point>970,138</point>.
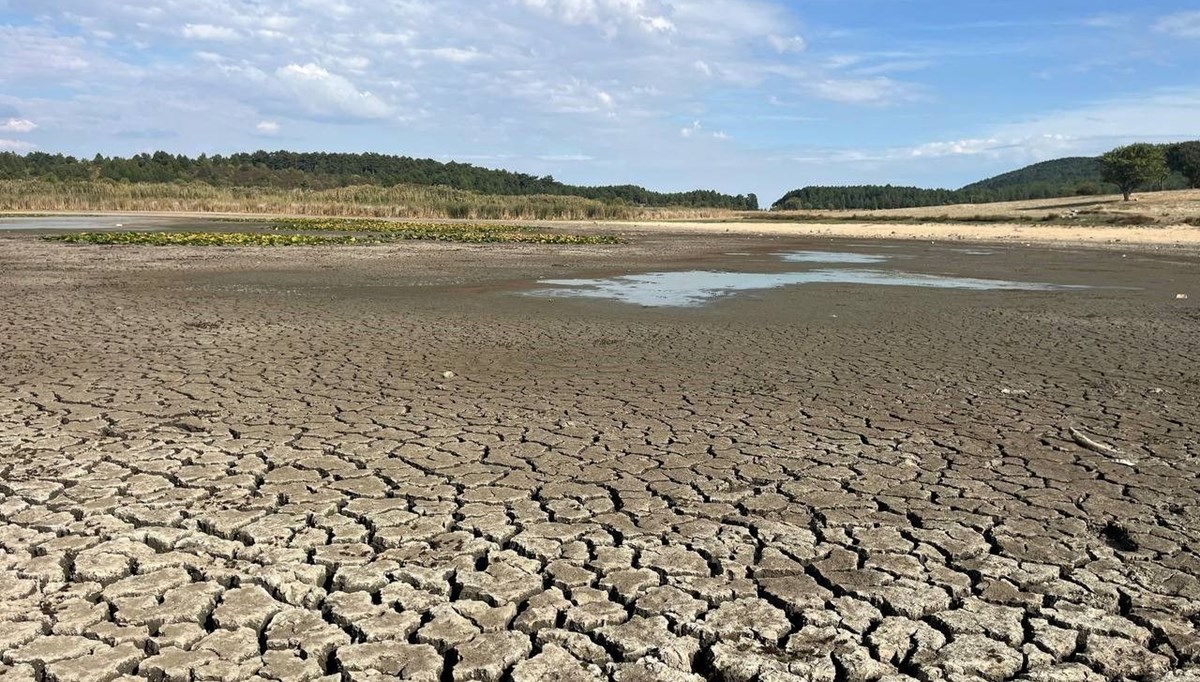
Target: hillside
<point>324,171</point>
<point>1071,172</point>
<point>1072,176</point>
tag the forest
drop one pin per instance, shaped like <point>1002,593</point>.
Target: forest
<point>1073,176</point>
<point>324,171</point>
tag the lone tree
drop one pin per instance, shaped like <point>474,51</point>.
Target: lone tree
<point>1184,158</point>
<point>1135,165</point>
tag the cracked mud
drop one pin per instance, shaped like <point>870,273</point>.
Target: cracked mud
<point>367,464</point>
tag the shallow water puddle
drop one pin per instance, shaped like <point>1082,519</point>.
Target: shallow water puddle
<point>697,287</point>
<point>832,257</point>
<point>67,222</point>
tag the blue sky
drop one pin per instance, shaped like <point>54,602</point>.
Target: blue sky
<point>736,95</point>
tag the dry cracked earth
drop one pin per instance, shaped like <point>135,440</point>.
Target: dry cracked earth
<point>385,463</point>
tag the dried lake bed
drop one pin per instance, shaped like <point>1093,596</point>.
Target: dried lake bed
<point>686,457</point>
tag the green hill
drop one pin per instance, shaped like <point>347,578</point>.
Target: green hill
<point>1078,175</point>
<point>1069,173</point>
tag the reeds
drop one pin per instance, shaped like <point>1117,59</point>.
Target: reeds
<point>403,201</point>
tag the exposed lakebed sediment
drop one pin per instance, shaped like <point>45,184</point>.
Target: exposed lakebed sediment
<point>366,463</point>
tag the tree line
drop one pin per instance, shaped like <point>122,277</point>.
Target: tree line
<point>1125,169</point>
<point>319,171</point>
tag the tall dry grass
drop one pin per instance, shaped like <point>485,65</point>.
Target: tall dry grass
<point>404,201</point>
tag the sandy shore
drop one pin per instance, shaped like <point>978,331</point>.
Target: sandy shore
<point>1095,236</point>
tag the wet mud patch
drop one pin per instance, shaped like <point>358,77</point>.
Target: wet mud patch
<point>698,287</point>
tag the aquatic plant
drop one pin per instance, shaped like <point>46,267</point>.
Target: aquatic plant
<point>470,235</point>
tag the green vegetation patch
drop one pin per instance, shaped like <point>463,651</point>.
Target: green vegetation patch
<point>464,233</point>
<point>205,239</point>
<point>472,233</point>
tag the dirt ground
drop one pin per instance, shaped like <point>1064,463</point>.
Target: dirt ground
<point>1078,222</point>
<point>1180,237</point>
<point>369,463</point>
<point>1168,208</point>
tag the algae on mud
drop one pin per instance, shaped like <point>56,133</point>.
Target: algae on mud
<point>361,232</point>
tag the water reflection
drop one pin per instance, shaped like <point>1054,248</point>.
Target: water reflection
<point>697,287</point>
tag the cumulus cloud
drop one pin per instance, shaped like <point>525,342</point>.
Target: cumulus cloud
<point>1182,24</point>
<point>18,125</point>
<point>323,93</point>
<point>484,79</point>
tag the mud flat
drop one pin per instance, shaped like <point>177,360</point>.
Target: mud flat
<point>435,462</point>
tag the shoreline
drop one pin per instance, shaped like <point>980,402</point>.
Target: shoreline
<point>1183,236</point>
<point>1106,237</point>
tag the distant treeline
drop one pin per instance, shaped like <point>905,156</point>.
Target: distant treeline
<point>322,171</point>
<point>1050,179</point>
<point>401,201</point>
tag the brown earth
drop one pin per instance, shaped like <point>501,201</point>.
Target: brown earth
<point>1172,222</point>
<point>377,462</point>
<point>1168,208</point>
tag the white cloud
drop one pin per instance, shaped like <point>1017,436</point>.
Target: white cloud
<point>209,32</point>
<point>1108,21</point>
<point>697,130</point>
<point>1156,116</point>
<point>967,147</point>
<point>324,93</point>
<point>1182,24</point>
<point>566,157</point>
<point>27,52</point>
<point>554,95</point>
<point>267,128</point>
<point>456,55</point>
<point>16,146</point>
<point>784,45</point>
<point>878,90</point>
<point>610,16</point>
<point>18,125</point>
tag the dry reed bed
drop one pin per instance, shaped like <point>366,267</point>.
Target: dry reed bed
<point>361,201</point>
